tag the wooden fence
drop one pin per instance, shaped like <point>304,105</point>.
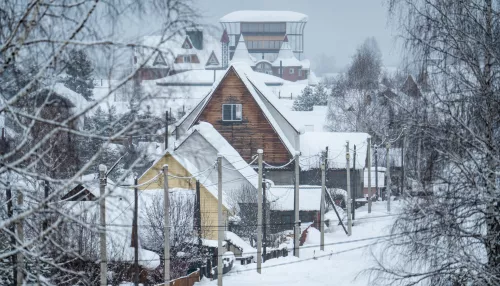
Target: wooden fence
<point>187,280</point>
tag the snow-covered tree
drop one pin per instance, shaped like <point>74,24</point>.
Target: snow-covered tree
<point>364,71</point>
<point>79,70</point>
<point>451,236</point>
<point>321,95</point>
<point>40,41</point>
<point>305,101</point>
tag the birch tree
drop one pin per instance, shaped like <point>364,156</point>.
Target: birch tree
<point>452,236</point>
<point>36,37</point>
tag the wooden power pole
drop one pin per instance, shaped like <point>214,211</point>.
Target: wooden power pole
<point>322,208</point>
<point>20,237</point>
<point>135,238</point>
<point>388,174</point>
<point>296,241</point>
<point>348,203</point>
<point>260,154</point>
<point>102,234</point>
<point>166,226</point>
<point>220,233</point>
<point>369,143</point>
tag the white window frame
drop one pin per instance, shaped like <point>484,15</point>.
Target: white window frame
<point>233,106</point>
<point>291,70</point>
<point>186,57</point>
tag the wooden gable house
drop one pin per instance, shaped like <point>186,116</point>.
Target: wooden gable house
<point>192,158</point>
<point>245,112</point>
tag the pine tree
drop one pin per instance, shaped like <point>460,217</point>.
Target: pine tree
<point>79,70</point>
<point>320,95</point>
<point>305,101</point>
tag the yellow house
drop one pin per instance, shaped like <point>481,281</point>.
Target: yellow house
<point>193,158</point>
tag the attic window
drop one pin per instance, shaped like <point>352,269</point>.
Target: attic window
<point>231,112</point>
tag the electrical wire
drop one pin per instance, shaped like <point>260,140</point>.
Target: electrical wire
<point>278,167</point>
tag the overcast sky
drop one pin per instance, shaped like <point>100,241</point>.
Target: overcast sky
<point>335,27</point>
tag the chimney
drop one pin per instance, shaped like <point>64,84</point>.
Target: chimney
<point>281,69</point>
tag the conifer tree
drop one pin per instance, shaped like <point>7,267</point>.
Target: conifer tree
<point>320,95</point>
<point>79,70</point>
<point>305,101</point>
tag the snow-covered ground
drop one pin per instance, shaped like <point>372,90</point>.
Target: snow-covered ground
<point>340,264</point>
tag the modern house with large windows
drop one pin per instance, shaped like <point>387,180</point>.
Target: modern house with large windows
<point>264,32</point>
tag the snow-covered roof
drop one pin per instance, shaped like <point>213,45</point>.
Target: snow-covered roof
<point>286,57</point>
<point>197,151</point>
<point>193,77</point>
<point>264,16</point>
<point>171,48</point>
<point>308,121</point>
<point>77,100</point>
<point>282,197</point>
<point>241,53</point>
<point>119,214</point>
<point>313,143</point>
<point>266,100</point>
<point>246,249</point>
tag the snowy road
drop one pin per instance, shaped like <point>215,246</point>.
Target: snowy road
<point>340,264</point>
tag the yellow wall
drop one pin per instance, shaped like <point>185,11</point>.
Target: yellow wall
<point>208,203</point>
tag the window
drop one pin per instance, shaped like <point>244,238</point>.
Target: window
<point>300,72</point>
<point>291,70</point>
<point>186,59</point>
<point>231,112</point>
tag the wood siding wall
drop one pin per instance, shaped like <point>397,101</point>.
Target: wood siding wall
<point>208,203</point>
<point>253,132</point>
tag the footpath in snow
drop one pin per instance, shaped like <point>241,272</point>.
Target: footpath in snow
<point>340,264</point>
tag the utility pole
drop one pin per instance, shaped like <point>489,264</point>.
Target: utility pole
<point>12,228</point>
<point>102,209</point>
<point>296,242</point>
<point>348,203</point>
<point>135,239</point>
<point>353,197</point>
<point>20,237</point>
<point>368,141</point>
<point>376,172</point>
<point>220,233</point>
<point>264,213</point>
<point>166,226</point>
<point>259,213</point>
<point>166,131</point>
<point>322,207</point>
<point>198,213</point>
<point>403,165</point>
<point>388,174</point>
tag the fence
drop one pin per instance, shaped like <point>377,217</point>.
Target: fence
<point>276,253</point>
<point>187,280</point>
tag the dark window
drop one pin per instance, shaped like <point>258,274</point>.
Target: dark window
<point>231,112</point>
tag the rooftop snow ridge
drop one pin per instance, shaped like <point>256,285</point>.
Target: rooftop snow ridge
<point>264,16</point>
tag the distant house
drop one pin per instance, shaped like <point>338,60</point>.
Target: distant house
<point>192,50</point>
<point>285,65</point>
<point>313,146</point>
<point>281,201</point>
<point>81,203</point>
<point>192,158</point>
